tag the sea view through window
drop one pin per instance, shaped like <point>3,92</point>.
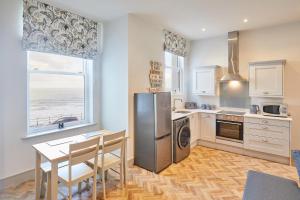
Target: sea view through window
<point>59,91</point>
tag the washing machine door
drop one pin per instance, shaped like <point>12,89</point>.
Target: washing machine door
<point>184,137</point>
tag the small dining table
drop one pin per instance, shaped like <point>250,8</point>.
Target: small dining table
<point>56,151</point>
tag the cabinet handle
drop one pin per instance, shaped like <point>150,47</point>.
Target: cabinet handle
<point>266,92</point>
<point>265,128</point>
<point>265,122</point>
<point>203,91</point>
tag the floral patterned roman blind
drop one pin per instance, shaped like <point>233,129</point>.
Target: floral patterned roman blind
<point>53,30</point>
<point>175,43</point>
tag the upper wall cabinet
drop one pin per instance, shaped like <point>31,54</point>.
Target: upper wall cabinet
<point>205,80</point>
<point>266,79</point>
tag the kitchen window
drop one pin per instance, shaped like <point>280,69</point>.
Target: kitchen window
<point>174,68</point>
<point>59,92</point>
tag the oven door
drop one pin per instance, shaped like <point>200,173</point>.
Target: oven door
<point>229,130</point>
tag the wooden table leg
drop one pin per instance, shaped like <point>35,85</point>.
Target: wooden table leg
<point>125,163</point>
<point>54,180</point>
<point>37,175</point>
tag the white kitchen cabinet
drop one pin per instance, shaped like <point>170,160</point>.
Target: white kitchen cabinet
<point>194,124</point>
<point>267,136</point>
<point>266,79</point>
<point>208,127</point>
<point>205,80</point>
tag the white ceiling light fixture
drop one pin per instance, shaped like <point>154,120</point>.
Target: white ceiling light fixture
<point>203,29</point>
<point>245,20</point>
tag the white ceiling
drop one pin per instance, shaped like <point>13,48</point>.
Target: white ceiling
<point>188,17</point>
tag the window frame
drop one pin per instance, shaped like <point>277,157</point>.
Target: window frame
<point>87,75</point>
<point>175,65</point>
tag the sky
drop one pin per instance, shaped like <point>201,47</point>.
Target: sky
<point>52,62</point>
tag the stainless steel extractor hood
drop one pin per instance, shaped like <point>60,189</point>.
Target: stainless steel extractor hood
<point>233,58</point>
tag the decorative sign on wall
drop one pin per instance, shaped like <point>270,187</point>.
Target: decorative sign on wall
<point>155,76</point>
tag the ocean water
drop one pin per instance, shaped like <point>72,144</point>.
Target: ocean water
<point>50,104</point>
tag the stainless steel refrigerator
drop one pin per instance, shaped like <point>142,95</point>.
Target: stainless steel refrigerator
<point>153,131</point>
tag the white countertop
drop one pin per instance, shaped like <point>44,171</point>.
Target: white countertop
<point>267,117</point>
<point>191,111</point>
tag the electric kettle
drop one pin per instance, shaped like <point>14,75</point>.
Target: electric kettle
<point>254,109</point>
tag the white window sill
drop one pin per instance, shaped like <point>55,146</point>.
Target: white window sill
<point>48,132</point>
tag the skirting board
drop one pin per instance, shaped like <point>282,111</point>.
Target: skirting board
<point>195,143</point>
<point>17,179</point>
<point>246,152</point>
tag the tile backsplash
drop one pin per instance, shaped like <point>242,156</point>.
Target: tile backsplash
<point>235,95</point>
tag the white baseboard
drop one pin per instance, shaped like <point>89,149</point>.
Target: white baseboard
<point>193,144</point>
<point>246,152</point>
<point>15,180</point>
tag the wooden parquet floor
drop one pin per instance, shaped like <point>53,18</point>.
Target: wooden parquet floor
<point>207,174</point>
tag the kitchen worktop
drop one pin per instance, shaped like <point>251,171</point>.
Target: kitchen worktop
<point>191,111</point>
<point>267,117</point>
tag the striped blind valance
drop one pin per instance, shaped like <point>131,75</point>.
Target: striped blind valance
<point>175,43</point>
<point>53,30</point>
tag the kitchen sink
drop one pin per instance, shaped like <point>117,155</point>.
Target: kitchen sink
<point>182,112</point>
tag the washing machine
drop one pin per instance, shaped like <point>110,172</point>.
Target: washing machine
<point>181,139</point>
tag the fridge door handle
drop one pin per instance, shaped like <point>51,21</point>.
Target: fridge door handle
<point>167,135</point>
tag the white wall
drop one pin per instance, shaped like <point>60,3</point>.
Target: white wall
<point>145,44</point>
<point>113,92</point>
<point>129,45</point>
<point>114,75</point>
<point>16,154</point>
<point>278,42</point>
<point>207,52</point>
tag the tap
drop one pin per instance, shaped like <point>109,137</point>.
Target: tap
<point>174,101</point>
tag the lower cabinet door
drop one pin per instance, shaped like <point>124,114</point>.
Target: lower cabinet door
<point>208,127</point>
<point>194,127</point>
<point>267,145</point>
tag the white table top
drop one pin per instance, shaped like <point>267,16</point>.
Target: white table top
<point>56,150</point>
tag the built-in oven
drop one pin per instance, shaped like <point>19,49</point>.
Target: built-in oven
<point>230,128</point>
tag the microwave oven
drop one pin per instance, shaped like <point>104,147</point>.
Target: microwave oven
<point>275,109</point>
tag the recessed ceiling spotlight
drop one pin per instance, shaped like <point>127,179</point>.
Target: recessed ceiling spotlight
<point>245,20</point>
<point>203,29</point>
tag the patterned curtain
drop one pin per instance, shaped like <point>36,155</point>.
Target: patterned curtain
<point>175,43</point>
<point>52,30</point>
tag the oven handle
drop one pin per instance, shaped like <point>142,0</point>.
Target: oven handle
<point>239,124</point>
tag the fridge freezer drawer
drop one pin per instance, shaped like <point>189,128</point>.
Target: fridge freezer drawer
<point>163,151</point>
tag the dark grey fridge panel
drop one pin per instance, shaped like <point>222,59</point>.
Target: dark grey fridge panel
<point>163,148</point>
<point>163,115</point>
<point>144,128</point>
<point>152,130</point>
